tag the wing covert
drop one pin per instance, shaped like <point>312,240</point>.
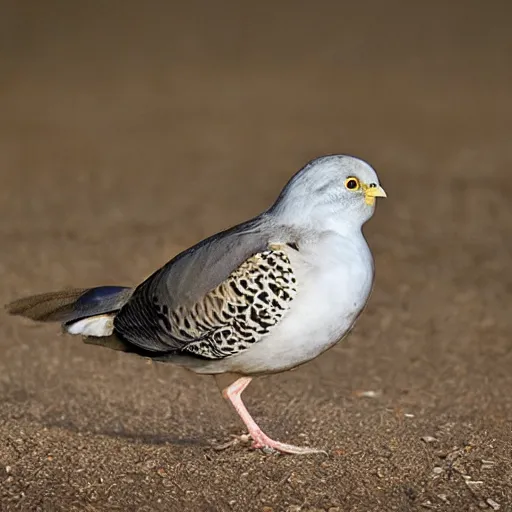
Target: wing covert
<point>241,310</point>
<point>197,301</point>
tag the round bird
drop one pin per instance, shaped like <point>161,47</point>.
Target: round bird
<point>262,297</point>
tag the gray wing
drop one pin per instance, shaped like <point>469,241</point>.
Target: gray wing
<point>214,299</point>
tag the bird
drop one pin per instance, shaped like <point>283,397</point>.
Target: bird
<point>262,297</point>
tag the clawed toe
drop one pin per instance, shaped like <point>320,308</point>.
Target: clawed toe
<point>269,445</point>
<point>266,445</point>
<point>235,439</point>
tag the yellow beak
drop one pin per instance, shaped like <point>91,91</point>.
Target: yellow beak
<point>371,192</point>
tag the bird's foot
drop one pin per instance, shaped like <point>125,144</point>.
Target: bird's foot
<point>263,442</point>
<point>260,439</point>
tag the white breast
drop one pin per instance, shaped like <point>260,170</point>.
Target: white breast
<point>334,277</point>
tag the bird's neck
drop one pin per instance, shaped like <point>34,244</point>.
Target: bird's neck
<point>341,225</point>
<point>328,217</point>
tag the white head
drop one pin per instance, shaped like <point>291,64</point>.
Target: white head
<point>335,192</point>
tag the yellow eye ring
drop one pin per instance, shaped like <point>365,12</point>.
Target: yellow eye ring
<point>352,184</point>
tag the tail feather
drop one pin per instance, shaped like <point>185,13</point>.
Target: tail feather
<point>87,312</point>
<point>71,305</point>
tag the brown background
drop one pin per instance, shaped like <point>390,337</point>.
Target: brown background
<point>129,131</point>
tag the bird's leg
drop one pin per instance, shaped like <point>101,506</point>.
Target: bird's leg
<point>260,439</point>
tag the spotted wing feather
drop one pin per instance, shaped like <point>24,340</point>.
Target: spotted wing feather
<point>238,312</point>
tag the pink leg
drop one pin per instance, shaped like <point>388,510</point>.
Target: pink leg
<point>260,439</point>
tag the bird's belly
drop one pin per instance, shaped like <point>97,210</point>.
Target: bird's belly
<point>320,315</point>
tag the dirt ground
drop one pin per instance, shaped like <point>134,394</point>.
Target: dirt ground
<point>129,131</point>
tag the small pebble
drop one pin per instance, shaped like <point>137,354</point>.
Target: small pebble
<point>429,439</point>
<point>487,464</point>
<point>150,464</point>
<point>437,470</point>
<point>8,469</point>
<point>493,504</point>
<point>367,394</point>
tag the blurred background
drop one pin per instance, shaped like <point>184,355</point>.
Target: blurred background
<point>130,130</point>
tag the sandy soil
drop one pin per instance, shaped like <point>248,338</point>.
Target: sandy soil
<point>129,131</point>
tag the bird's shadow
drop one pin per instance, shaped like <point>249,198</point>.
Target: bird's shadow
<point>151,439</point>
<point>52,418</point>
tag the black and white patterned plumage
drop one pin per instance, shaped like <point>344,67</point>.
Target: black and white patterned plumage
<point>238,312</point>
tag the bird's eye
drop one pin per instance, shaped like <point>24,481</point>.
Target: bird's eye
<point>352,184</point>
